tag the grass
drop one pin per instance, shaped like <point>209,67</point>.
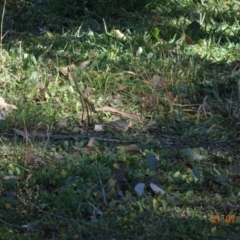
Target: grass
<point>154,63</point>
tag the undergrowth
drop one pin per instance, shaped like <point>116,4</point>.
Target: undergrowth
<point>127,120</point>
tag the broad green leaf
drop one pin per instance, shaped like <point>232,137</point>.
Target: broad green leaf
<point>156,189</point>
<point>33,59</point>
<point>196,173</point>
<point>63,173</point>
<point>177,174</point>
<point>139,188</point>
<point>190,154</point>
<point>49,34</point>
<point>152,161</point>
<point>201,42</point>
<point>214,229</point>
<point>18,171</point>
<point>155,33</point>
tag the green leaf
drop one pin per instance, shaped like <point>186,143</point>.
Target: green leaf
<point>155,33</point>
<point>190,154</point>
<point>201,42</point>
<point>152,162</point>
<point>196,173</point>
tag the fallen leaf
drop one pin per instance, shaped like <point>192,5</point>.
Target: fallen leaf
<point>61,123</point>
<point>120,193</point>
<point>11,177</point>
<point>151,124</point>
<point>96,210</point>
<point>188,40</point>
<point>120,125</point>
<point>190,154</point>
<point>84,64</point>
<point>115,165</point>
<point>65,71</point>
<point>41,87</point>
<point>91,142</point>
<point>139,51</point>
<point>56,155</point>
<point>129,148</point>
<point>76,149</point>
<point>33,159</point>
<point>118,34</point>
<point>124,114</point>
<point>156,189</point>
<point>139,188</point>
<point>99,127</point>
<point>157,82</point>
<point>112,183</point>
<point>28,177</point>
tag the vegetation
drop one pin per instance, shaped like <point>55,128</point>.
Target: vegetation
<point>119,120</point>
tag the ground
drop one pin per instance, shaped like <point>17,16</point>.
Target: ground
<point>119,121</point>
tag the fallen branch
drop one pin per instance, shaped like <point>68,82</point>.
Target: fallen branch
<point>137,117</point>
<point>31,135</point>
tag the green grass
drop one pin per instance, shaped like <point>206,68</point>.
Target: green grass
<point>67,188</point>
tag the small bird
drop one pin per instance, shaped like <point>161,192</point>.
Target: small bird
<point>120,125</point>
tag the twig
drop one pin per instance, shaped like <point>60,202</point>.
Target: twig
<point>104,195</point>
<point>84,101</point>
<point>9,224</point>
<point>30,135</point>
<point>4,7</point>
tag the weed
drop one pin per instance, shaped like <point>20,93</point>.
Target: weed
<point>74,70</point>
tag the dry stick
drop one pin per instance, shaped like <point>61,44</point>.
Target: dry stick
<point>11,225</point>
<point>56,216</point>
<point>238,93</point>
<point>103,192</point>
<point>83,100</point>
<point>4,7</point>
<point>30,135</point>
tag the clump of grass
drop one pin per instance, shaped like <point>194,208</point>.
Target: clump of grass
<point>171,68</point>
